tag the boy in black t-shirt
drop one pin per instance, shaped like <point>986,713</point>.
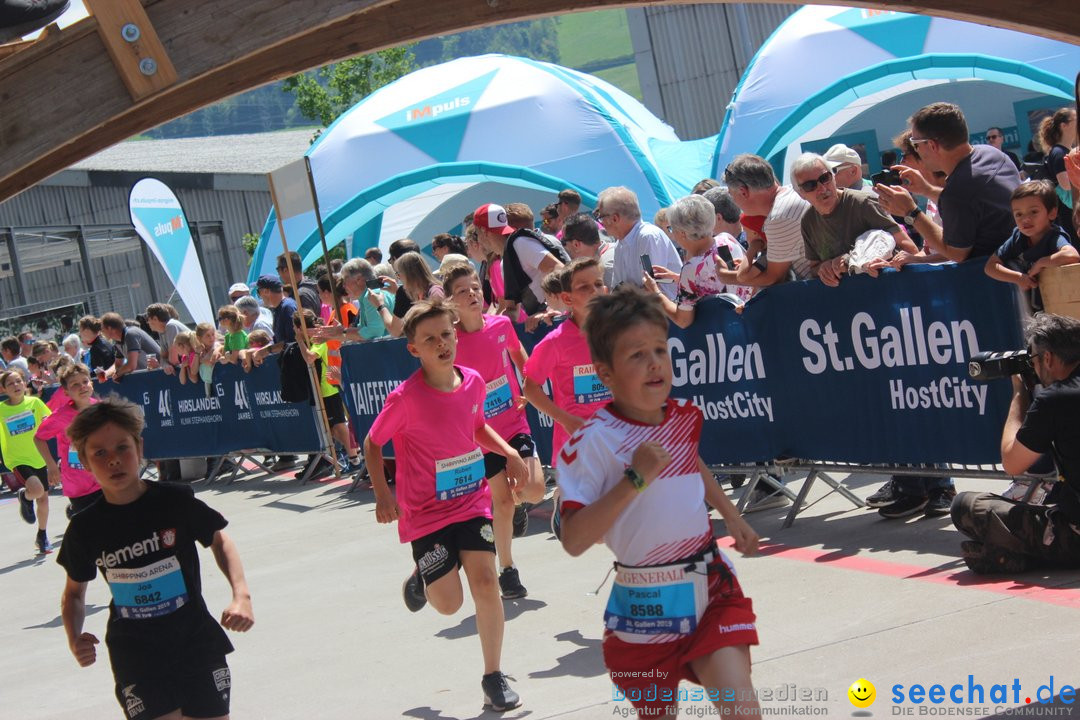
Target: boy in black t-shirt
<point>166,650</point>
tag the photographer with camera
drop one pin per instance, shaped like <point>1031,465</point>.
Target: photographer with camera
<point>1010,536</point>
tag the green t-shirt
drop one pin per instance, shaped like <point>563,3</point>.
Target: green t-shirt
<point>236,341</point>
<point>18,423</point>
<point>325,387</point>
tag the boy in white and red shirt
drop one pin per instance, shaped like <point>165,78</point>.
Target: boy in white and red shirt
<point>80,487</point>
<point>631,477</point>
<point>435,420</point>
<point>488,344</point>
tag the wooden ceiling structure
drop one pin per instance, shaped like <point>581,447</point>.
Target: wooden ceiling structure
<point>133,65</point>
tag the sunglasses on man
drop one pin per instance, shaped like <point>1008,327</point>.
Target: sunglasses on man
<point>811,185</point>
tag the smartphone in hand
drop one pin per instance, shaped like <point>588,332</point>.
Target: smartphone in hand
<point>646,265</point>
<point>725,254</point>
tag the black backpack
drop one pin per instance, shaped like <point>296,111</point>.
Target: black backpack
<point>295,384</point>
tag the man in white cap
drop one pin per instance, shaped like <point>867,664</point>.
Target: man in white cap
<point>846,166</point>
<point>237,291</point>
<point>527,256</point>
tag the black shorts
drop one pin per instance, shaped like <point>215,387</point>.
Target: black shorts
<point>494,463</point>
<point>202,693</point>
<point>439,553</point>
<point>25,472</point>
<point>335,409</point>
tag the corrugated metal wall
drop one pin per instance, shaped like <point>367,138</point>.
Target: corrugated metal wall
<point>44,221</point>
<point>690,58</point>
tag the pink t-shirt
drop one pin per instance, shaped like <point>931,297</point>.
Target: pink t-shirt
<point>563,356</point>
<point>485,351</point>
<point>440,466</point>
<point>78,481</point>
<point>59,398</point>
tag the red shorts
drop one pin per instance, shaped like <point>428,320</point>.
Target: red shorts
<point>649,675</point>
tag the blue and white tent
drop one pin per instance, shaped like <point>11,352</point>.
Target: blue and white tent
<point>413,158</point>
<point>828,71</point>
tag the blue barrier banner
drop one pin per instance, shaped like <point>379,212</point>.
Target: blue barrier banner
<point>873,371</point>
<point>243,411</point>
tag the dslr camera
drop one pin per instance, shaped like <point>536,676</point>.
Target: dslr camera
<point>986,366</point>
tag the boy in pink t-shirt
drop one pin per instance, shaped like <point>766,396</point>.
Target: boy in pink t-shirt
<point>435,420</point>
<point>80,487</point>
<point>488,344</point>
<point>563,357</point>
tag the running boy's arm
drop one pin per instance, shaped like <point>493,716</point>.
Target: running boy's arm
<point>52,469</point>
<point>584,527</point>
<point>386,507</point>
<point>519,357</point>
<point>239,616</point>
<point>73,613</point>
<point>540,400</point>
<point>489,440</point>
<point>746,540</point>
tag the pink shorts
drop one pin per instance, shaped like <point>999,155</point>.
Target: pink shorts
<point>648,674</point>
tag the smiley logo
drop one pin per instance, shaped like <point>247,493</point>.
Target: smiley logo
<point>862,693</point>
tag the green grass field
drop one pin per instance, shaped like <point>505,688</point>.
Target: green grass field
<point>588,38</point>
<point>624,77</point>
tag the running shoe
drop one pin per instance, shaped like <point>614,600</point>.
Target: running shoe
<point>498,695</point>
<point>26,507</point>
<point>413,592</point>
<point>510,584</point>
<point>42,542</point>
<point>521,520</point>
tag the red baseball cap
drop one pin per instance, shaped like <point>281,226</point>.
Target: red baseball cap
<point>492,217</point>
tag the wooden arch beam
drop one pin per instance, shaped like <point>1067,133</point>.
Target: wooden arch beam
<point>62,100</point>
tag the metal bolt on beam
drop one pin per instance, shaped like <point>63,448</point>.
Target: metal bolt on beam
<point>147,66</point>
<point>130,32</point>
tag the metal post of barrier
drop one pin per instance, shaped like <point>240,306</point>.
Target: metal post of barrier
<point>326,438</point>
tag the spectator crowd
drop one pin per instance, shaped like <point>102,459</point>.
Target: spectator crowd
<point>940,198</point>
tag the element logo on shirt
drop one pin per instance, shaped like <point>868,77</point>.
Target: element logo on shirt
<point>168,537</point>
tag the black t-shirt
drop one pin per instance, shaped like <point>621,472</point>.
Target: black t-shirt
<point>101,354</point>
<point>309,297</point>
<point>976,205</point>
<point>146,551</point>
<point>1054,419</point>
